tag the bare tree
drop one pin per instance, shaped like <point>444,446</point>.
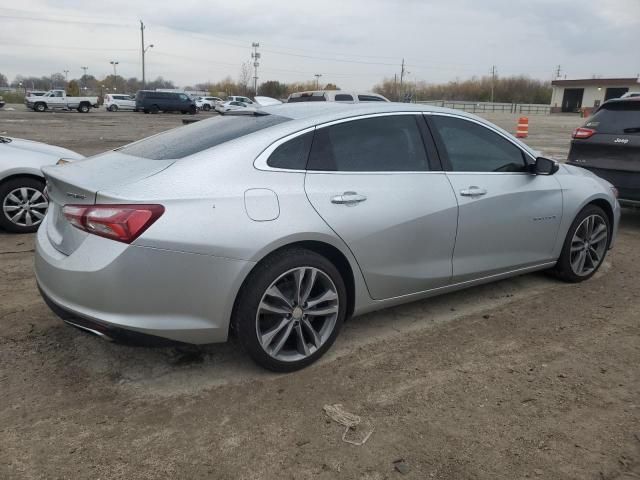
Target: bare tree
<point>244,80</point>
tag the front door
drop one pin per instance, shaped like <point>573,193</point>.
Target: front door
<point>370,180</point>
<point>508,218</point>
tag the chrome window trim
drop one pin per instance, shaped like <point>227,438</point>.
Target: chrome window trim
<point>488,127</point>
<point>260,162</point>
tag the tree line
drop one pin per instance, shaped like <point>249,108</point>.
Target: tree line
<point>514,89</point>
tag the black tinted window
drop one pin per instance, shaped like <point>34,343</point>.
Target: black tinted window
<point>307,98</point>
<point>380,144</point>
<point>474,148</point>
<point>370,98</point>
<point>292,154</point>
<point>343,97</point>
<point>184,141</point>
<point>617,118</point>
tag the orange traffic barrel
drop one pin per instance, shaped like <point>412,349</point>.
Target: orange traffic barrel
<point>523,127</point>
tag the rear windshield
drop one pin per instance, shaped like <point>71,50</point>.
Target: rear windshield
<point>617,118</point>
<point>184,141</point>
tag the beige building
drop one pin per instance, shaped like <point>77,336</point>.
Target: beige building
<point>572,95</point>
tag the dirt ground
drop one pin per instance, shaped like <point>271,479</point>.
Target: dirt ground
<point>525,378</point>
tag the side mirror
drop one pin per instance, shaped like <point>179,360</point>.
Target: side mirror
<point>544,166</point>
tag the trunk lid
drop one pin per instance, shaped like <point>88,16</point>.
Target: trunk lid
<point>78,183</point>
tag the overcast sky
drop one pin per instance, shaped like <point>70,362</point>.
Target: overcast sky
<point>353,43</point>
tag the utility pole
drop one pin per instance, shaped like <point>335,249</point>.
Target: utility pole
<point>558,71</point>
<point>317,75</point>
<point>143,49</point>
<point>66,75</point>
<point>84,77</point>
<point>494,72</point>
<point>401,78</point>
<point>256,57</point>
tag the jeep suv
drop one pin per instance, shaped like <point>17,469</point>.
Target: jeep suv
<point>608,144</point>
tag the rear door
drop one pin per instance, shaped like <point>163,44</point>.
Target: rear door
<point>370,178</point>
<point>508,218</point>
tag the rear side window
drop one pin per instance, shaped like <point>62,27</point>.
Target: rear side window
<point>184,141</point>
<point>370,98</point>
<point>379,144</point>
<point>617,118</point>
<point>343,97</point>
<point>293,154</point>
<point>473,148</point>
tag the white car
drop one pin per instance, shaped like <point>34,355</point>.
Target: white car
<point>335,96</point>
<point>267,101</point>
<point>119,101</point>
<point>207,103</point>
<point>235,106</point>
<point>631,95</point>
<point>237,98</point>
<point>22,198</point>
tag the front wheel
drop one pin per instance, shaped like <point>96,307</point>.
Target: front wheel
<point>585,246</point>
<point>290,310</point>
<point>23,204</point>
<point>40,107</point>
<point>206,107</point>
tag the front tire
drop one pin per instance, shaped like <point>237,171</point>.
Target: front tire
<point>290,309</point>
<point>40,107</point>
<point>22,204</point>
<point>206,107</point>
<point>585,246</point>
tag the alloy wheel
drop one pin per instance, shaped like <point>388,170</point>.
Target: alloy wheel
<point>25,206</point>
<point>588,245</point>
<point>297,314</point>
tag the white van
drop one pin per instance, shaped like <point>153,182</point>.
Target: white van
<point>335,96</point>
<point>119,101</point>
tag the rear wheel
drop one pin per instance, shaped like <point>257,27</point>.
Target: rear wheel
<point>23,204</point>
<point>585,246</point>
<point>290,310</point>
<point>206,107</point>
<point>114,108</point>
<point>193,110</point>
<point>84,108</point>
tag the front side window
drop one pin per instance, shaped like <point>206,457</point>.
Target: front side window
<point>473,148</point>
<point>379,144</point>
<point>370,98</point>
<point>183,97</point>
<point>293,154</point>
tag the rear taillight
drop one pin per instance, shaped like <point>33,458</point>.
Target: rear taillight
<point>123,223</point>
<point>582,133</point>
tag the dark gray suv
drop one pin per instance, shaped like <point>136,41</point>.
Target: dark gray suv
<point>608,144</point>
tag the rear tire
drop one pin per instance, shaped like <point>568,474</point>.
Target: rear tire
<point>303,331</point>
<point>206,107</point>
<point>84,108</point>
<point>22,201</point>
<point>114,108</point>
<point>585,246</point>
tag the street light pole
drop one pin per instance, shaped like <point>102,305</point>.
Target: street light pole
<point>84,77</point>
<point>144,51</point>
<point>317,75</point>
<point>66,75</point>
<point>115,74</point>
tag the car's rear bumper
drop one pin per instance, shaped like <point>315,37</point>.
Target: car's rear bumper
<point>627,183</point>
<point>169,294</point>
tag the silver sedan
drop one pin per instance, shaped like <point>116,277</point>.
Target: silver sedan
<point>280,225</point>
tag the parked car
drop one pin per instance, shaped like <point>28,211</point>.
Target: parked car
<point>150,101</point>
<point>267,101</point>
<point>335,96</point>
<point>631,95</point>
<point>282,224</point>
<point>237,98</point>
<point>608,144</point>
<point>59,100</point>
<point>2,102</point>
<point>119,101</point>
<point>22,200</point>
<point>207,103</point>
<point>236,106</point>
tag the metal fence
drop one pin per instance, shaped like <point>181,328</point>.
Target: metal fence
<point>482,107</point>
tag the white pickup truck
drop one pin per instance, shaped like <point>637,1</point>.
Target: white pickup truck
<point>58,100</point>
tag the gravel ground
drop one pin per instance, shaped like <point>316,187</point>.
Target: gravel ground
<point>525,378</point>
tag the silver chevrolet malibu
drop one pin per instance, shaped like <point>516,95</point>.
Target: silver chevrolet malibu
<point>281,224</point>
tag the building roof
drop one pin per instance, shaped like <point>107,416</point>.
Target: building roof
<point>596,82</point>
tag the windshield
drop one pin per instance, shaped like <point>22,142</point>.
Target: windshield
<point>184,141</point>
